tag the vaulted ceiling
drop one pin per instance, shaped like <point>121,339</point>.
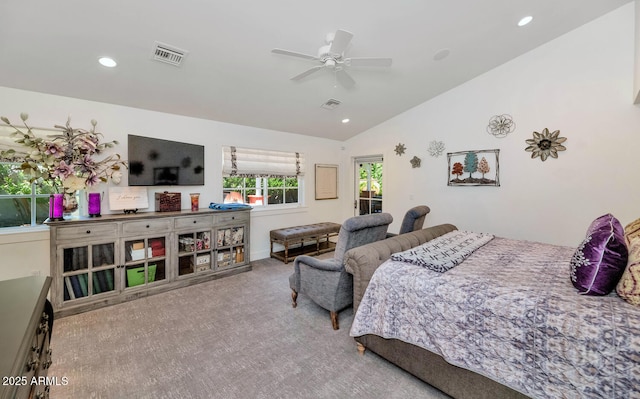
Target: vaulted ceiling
<point>230,74</point>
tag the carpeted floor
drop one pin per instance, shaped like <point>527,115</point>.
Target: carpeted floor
<point>236,337</point>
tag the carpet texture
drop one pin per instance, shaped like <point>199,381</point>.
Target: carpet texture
<point>236,337</point>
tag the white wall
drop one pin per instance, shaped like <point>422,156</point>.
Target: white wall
<point>580,84</point>
<point>115,122</point>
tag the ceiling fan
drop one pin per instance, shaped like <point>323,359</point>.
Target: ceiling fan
<point>331,56</point>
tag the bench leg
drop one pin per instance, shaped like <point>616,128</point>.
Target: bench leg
<point>286,252</point>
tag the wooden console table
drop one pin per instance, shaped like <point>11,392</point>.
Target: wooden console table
<point>115,258</point>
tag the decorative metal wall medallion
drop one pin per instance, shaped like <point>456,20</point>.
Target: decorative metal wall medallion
<point>436,148</point>
<point>545,144</point>
<point>501,125</point>
<point>400,149</point>
<point>415,162</point>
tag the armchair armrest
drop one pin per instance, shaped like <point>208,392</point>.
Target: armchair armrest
<point>321,264</point>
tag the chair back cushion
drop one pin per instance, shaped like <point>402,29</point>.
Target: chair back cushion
<point>414,219</point>
<point>361,230</point>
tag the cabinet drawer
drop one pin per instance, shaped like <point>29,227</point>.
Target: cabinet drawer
<point>102,230</point>
<point>194,221</point>
<point>146,226</point>
<point>235,217</point>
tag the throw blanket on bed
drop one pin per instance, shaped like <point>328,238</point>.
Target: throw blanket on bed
<point>510,313</point>
<point>444,252</point>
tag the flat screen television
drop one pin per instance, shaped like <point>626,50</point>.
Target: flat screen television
<point>157,162</point>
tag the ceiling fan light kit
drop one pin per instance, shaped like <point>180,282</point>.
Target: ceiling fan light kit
<point>331,56</point>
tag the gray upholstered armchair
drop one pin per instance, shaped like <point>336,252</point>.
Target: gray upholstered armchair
<point>326,282</point>
<point>413,220</point>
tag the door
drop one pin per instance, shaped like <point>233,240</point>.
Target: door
<point>368,185</point>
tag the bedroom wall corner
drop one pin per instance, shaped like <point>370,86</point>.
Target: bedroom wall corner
<point>579,84</point>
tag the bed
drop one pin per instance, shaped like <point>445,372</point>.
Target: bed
<point>506,322</point>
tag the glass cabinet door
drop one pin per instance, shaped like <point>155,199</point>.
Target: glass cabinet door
<point>230,246</point>
<point>145,261</point>
<point>88,270</point>
<point>194,252</point>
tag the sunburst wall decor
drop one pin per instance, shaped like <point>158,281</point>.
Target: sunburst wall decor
<point>545,144</point>
<point>400,149</point>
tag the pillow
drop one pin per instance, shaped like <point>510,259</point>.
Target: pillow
<point>601,258</point>
<point>632,230</point>
<point>629,286</point>
<point>605,222</point>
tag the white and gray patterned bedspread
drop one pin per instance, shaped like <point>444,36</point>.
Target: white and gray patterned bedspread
<point>510,313</point>
<point>445,252</point>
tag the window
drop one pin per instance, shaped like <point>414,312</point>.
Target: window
<point>252,190</point>
<point>262,177</point>
<point>21,203</point>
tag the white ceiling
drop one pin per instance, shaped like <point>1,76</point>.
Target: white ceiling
<point>230,74</point>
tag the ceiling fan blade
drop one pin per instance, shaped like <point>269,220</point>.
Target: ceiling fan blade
<point>344,78</point>
<point>341,40</point>
<point>368,61</point>
<point>294,54</point>
<point>307,72</point>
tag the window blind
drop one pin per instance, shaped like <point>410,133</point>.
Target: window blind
<point>247,162</point>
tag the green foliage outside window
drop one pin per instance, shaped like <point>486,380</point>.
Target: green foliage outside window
<point>17,195</point>
<point>279,190</point>
<point>376,178</point>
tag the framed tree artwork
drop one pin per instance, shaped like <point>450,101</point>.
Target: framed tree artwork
<point>474,168</point>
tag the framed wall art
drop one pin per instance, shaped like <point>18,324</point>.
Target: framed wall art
<point>326,182</point>
<point>474,168</point>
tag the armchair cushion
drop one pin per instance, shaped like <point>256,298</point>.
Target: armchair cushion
<point>414,219</point>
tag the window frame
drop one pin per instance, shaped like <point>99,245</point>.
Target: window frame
<point>265,188</point>
<point>33,206</point>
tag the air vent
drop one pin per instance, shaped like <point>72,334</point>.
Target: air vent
<point>169,54</point>
<point>331,103</point>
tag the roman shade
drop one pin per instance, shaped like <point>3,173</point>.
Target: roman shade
<point>246,162</point>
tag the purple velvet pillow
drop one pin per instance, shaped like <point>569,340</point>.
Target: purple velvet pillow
<point>605,222</point>
<point>600,260</point>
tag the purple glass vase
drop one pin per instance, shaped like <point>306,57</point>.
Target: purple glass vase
<point>94,204</point>
<point>56,206</point>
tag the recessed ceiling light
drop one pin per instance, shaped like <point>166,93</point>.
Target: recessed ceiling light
<point>345,120</point>
<point>441,54</point>
<point>108,62</point>
<point>525,20</point>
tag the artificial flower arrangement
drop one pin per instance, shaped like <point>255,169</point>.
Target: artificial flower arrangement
<point>67,160</point>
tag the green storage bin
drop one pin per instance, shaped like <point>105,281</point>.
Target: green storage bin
<point>135,276</point>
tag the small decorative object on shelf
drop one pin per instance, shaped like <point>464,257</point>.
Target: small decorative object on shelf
<point>400,149</point>
<point>545,144</point>
<point>56,207</point>
<point>436,148</point>
<point>168,202</point>
<point>195,201</point>
<point>415,162</point>
<point>501,125</point>
<point>94,204</point>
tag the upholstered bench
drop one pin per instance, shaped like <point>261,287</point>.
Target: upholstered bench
<point>317,235</point>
